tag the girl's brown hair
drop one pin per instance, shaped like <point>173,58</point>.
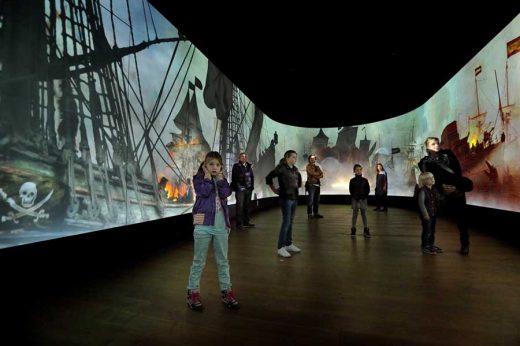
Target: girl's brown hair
<point>209,156</point>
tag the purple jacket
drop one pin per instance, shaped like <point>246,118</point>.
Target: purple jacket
<point>205,198</point>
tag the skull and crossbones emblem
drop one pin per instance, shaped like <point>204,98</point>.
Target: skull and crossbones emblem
<point>27,194</point>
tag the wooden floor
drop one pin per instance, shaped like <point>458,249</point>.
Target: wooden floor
<point>338,291</point>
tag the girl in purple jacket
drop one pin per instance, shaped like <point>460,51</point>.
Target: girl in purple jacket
<point>211,220</point>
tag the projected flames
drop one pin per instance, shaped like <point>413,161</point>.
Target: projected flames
<point>176,192</point>
<point>172,192</point>
<point>182,143</point>
<point>472,141</point>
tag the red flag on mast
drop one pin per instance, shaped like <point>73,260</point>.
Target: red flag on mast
<point>513,46</point>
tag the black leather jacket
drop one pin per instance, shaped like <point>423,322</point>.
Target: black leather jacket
<point>289,180</point>
<point>446,169</point>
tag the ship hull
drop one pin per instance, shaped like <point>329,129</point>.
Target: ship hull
<point>97,200</point>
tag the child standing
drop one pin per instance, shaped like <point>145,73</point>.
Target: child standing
<point>211,220</point>
<point>428,205</point>
<point>359,189</point>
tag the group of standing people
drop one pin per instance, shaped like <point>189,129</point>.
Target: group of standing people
<point>441,180</point>
<point>290,180</point>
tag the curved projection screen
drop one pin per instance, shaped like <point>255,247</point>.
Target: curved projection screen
<point>107,111</point>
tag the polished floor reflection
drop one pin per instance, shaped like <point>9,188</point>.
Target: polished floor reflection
<point>338,291</point>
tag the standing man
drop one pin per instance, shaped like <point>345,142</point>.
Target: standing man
<point>314,174</point>
<point>243,183</point>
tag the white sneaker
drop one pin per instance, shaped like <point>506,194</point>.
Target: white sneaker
<point>282,252</point>
<point>293,248</point>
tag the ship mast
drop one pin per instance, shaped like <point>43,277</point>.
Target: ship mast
<point>507,83</point>
<point>229,135</point>
<point>97,104</point>
<point>476,93</point>
<point>504,111</point>
<point>479,115</point>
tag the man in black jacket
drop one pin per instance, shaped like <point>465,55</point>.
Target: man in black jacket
<point>450,184</point>
<point>243,183</point>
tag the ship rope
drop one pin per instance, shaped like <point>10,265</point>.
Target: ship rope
<point>146,21</point>
<point>143,138</point>
<point>151,17</point>
<point>244,116</point>
<point>156,111</point>
<point>159,139</point>
<point>151,118</point>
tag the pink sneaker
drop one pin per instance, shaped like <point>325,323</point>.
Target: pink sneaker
<point>193,300</point>
<point>228,298</point>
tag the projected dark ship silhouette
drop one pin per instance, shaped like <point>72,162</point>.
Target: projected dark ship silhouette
<point>74,126</point>
<point>345,150</point>
<point>240,127</point>
<point>488,152</point>
<point>476,150</point>
<point>337,160</point>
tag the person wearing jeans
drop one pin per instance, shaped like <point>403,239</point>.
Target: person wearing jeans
<point>289,181</point>
<point>211,223</point>
<point>314,174</point>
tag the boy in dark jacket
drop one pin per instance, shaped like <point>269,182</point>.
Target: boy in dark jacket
<point>359,189</point>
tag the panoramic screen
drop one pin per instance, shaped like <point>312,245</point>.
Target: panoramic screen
<point>107,111</point>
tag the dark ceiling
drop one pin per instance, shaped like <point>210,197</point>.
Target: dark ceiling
<point>337,65</point>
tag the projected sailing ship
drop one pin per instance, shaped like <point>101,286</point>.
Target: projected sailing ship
<point>189,146</point>
<point>240,121</point>
<point>75,122</point>
<point>484,138</point>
